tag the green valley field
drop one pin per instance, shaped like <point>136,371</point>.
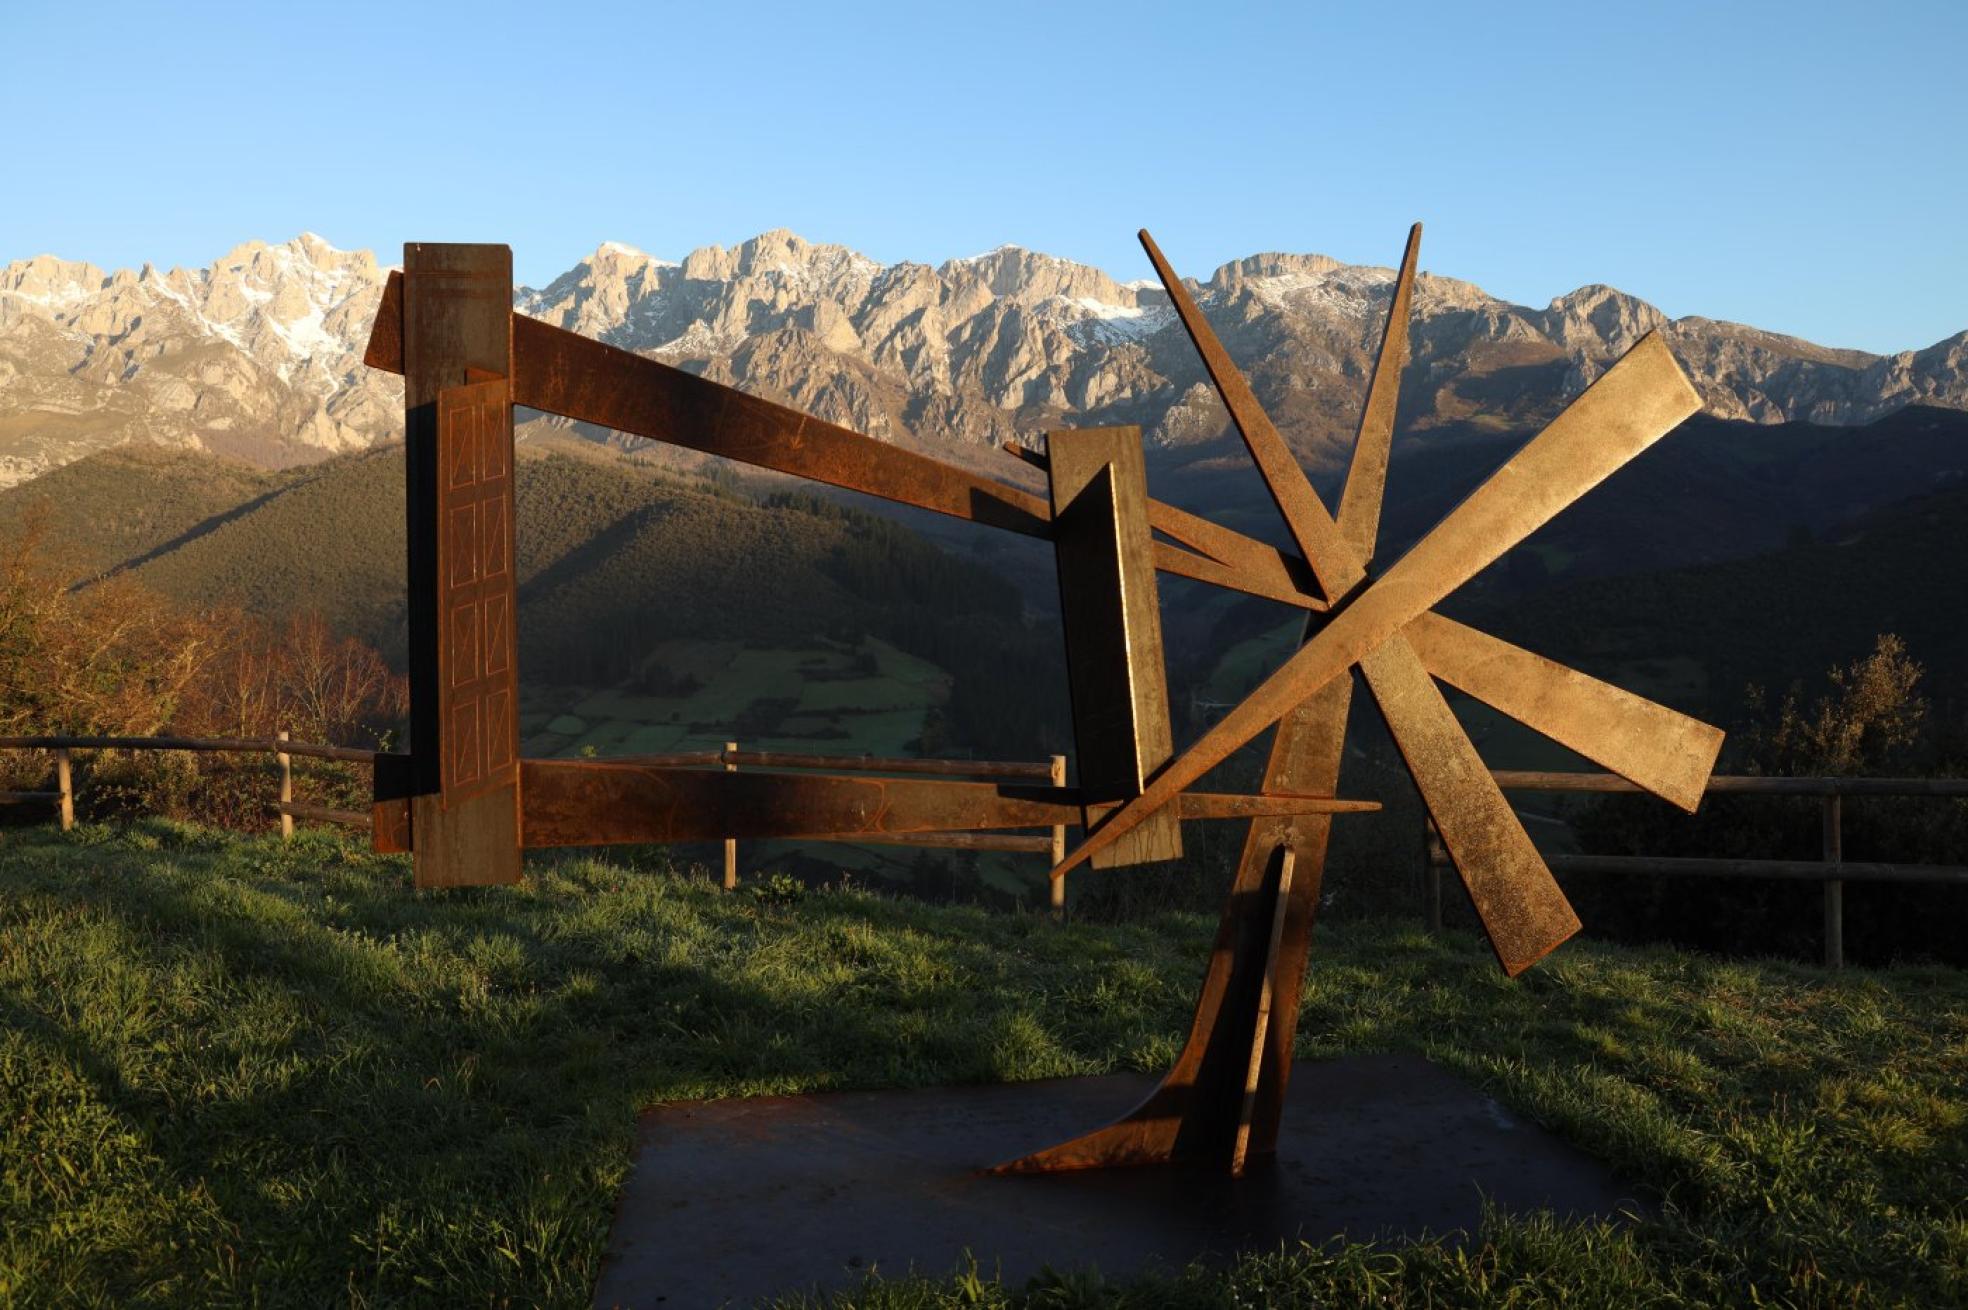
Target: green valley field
<point>234,1072</point>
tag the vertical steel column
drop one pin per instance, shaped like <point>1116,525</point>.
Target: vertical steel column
<point>462,779</point>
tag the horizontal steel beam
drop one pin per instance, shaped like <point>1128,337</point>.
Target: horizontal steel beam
<point>963,841</point>
<point>889,764</point>
<point>600,803</point>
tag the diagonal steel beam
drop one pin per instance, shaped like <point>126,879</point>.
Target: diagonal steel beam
<point>561,372</point>
<point>1366,474</point>
<point>1311,527</point>
<point>1668,753</point>
<point>1309,747</point>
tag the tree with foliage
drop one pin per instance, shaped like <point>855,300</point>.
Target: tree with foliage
<point>1870,719</point>
<point>106,657</point>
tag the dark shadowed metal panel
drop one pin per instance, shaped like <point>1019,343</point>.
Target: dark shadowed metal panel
<point>1113,626</point>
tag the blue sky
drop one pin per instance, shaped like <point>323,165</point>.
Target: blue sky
<point>1798,166</point>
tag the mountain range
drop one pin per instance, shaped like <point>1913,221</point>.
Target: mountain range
<point>259,355</point>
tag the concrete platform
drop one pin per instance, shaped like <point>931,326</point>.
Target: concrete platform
<point>732,1201</point>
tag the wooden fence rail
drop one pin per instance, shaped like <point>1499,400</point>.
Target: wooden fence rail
<point>1831,869</point>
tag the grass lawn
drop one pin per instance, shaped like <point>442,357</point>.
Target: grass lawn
<point>235,1073</point>
<point>827,707</point>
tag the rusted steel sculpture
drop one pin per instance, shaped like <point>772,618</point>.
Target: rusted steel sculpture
<point>1225,1095</point>
<point>465,805</point>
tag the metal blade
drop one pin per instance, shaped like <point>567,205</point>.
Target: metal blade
<point>1188,564</point>
<point>1305,757</point>
<point>1632,406</point>
<point>1104,552</point>
<point>1634,403</point>
<point>564,373</point>
<point>1263,565</point>
<point>1524,913</point>
<point>1669,754</point>
<point>1366,475</point>
<point>1311,526</point>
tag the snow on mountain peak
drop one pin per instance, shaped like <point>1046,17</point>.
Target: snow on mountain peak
<point>261,350</point>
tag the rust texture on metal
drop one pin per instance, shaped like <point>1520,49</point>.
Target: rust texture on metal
<point>598,802</point>
<point>1258,568</point>
<point>962,841</point>
<point>610,802</point>
<point>1658,749</point>
<point>1113,625</point>
<point>1366,474</point>
<point>478,653</point>
<point>1311,527</point>
<point>563,373</point>
<point>462,778</point>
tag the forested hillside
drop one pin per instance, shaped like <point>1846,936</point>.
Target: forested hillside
<point>1772,618</point>
<point>618,564</point>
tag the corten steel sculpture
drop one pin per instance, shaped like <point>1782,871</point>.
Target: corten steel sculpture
<point>465,804</point>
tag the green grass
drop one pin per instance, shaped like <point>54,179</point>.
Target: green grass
<point>825,710</point>
<point>235,1073</point>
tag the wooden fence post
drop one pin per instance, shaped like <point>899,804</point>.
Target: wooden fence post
<point>286,762</point>
<point>1834,888</point>
<point>730,843</point>
<point>65,785</point>
<point>1058,890</point>
<point>1432,882</point>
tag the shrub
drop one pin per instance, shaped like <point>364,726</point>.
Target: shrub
<point>1870,719</point>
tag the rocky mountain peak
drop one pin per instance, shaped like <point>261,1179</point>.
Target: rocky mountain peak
<point>1600,317</point>
<point>260,354</point>
<point>1027,277</point>
<point>257,355</point>
<point>1272,264</point>
<point>48,281</point>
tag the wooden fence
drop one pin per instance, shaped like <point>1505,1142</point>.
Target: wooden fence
<point>283,750</point>
<point>1832,869</point>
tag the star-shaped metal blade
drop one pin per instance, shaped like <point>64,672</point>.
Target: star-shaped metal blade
<point>1384,627</point>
